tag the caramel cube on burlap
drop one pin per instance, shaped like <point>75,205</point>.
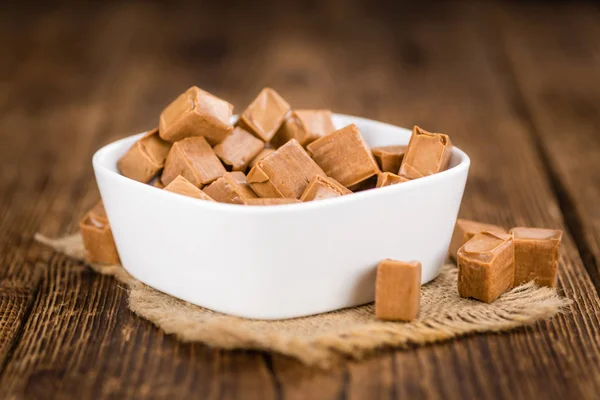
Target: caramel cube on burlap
<point>344,156</point>
<point>427,154</point>
<point>97,237</point>
<point>238,149</point>
<point>305,126</point>
<point>259,201</point>
<point>284,173</point>
<point>321,187</point>
<point>486,266</point>
<point>145,158</point>
<point>398,290</point>
<point>264,116</point>
<point>465,229</point>
<point>536,255</point>
<point>230,188</point>
<point>196,113</point>
<point>195,160</point>
<point>388,178</point>
<point>263,153</point>
<point>182,186</point>
<point>389,158</point>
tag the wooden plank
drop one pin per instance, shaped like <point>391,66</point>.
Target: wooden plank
<point>387,64</point>
<point>555,62</point>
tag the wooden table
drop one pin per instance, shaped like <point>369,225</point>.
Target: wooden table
<point>517,86</point>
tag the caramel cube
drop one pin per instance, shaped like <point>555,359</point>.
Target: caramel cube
<point>238,149</point>
<point>486,266</point>
<point>265,114</point>
<point>271,202</point>
<point>321,187</point>
<point>388,178</point>
<point>195,160</point>
<point>536,255</point>
<point>464,230</point>
<point>344,156</point>
<point>97,237</point>
<point>158,184</point>
<point>284,173</point>
<point>145,158</point>
<point>305,126</point>
<point>263,154</point>
<point>196,113</point>
<point>182,186</point>
<point>398,290</point>
<point>230,188</point>
<point>427,154</point>
<point>389,158</point>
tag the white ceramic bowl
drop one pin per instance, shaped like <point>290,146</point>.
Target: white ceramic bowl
<point>280,261</point>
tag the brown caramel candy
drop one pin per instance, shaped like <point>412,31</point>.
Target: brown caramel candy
<point>427,154</point>
<point>465,229</point>
<point>486,266</point>
<point>389,158</point>
<point>145,158</point>
<point>344,156</point>
<point>271,202</point>
<point>305,126</point>
<point>265,114</point>
<point>97,237</point>
<point>321,187</point>
<point>182,186</point>
<point>398,290</point>
<point>536,255</point>
<point>388,178</point>
<point>158,184</point>
<point>238,149</point>
<point>196,113</point>
<point>284,173</point>
<point>230,188</point>
<point>263,153</point>
<point>195,160</point>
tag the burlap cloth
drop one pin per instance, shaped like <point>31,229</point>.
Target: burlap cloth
<point>328,338</point>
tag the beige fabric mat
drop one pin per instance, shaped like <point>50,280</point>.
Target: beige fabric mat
<point>328,338</point>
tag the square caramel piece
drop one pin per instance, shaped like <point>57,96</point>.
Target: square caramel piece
<point>265,114</point>
<point>230,188</point>
<point>344,156</point>
<point>305,126</point>
<point>388,178</point>
<point>465,229</point>
<point>263,153</point>
<point>145,158</point>
<point>398,290</point>
<point>97,237</point>
<point>182,186</point>
<point>259,201</point>
<point>536,255</point>
<point>196,113</point>
<point>238,149</point>
<point>195,160</point>
<point>321,187</point>
<point>389,158</point>
<point>284,173</point>
<point>486,266</point>
<point>427,154</point>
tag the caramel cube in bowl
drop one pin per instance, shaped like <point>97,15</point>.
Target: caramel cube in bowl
<point>388,178</point>
<point>398,290</point>
<point>536,255</point>
<point>238,149</point>
<point>196,113</point>
<point>195,160</point>
<point>486,266</point>
<point>305,126</point>
<point>230,188</point>
<point>321,188</point>
<point>427,154</point>
<point>182,186</point>
<point>262,154</point>
<point>389,158</point>
<point>344,156</point>
<point>145,158</point>
<point>264,116</point>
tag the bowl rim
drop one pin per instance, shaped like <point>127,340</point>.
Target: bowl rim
<point>99,157</point>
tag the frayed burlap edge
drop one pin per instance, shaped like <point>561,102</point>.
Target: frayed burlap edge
<point>325,339</point>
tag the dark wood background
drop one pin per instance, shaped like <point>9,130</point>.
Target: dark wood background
<point>516,85</point>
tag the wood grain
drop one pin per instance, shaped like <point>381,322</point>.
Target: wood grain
<point>88,74</point>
